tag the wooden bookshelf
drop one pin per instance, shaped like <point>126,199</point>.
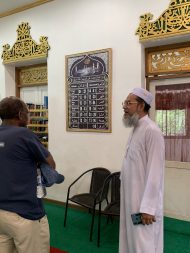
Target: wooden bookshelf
<point>39,122</point>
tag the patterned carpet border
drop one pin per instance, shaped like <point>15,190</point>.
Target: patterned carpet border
<point>54,250</point>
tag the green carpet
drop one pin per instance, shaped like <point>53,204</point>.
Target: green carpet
<point>176,236</point>
<point>74,238</point>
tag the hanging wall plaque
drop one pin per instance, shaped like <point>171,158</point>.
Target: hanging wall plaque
<point>88,91</point>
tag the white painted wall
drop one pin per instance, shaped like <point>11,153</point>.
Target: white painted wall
<point>74,26</point>
<point>177,195</point>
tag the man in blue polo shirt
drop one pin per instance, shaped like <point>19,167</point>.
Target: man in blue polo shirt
<point>23,224</point>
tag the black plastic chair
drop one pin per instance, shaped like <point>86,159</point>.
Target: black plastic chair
<point>112,182</point>
<point>91,198</point>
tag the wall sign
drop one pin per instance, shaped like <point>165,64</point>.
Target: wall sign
<point>88,91</point>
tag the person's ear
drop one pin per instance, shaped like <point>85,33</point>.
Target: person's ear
<point>20,116</point>
<point>141,107</point>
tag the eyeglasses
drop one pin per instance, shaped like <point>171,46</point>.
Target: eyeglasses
<point>128,103</point>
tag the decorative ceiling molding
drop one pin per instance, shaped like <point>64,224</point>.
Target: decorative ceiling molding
<point>22,8</point>
<point>25,48</point>
<point>174,21</point>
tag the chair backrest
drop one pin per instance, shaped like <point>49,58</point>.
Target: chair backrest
<point>115,186</point>
<point>99,175</point>
<point>112,182</point>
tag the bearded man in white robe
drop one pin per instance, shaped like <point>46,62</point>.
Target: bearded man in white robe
<point>142,178</point>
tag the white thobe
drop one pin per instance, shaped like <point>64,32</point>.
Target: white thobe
<point>142,179</point>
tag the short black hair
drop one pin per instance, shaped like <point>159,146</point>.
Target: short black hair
<point>10,107</point>
<point>146,106</point>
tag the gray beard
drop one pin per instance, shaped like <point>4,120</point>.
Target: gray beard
<point>130,121</point>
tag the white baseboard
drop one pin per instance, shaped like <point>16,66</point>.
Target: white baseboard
<point>176,216</point>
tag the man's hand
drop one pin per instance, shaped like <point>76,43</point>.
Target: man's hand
<point>147,219</point>
<point>51,161</point>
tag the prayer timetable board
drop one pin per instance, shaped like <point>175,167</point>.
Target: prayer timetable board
<point>88,91</point>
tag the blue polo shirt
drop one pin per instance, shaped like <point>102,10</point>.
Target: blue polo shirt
<point>20,151</point>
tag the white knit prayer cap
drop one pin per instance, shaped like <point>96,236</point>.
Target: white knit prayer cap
<point>144,94</point>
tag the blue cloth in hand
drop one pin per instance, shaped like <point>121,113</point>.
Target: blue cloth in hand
<point>50,176</point>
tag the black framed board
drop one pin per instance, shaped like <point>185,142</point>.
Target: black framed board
<point>88,91</point>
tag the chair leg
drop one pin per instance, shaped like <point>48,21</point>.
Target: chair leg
<point>92,223</point>
<point>112,219</point>
<point>108,218</point>
<point>66,207</point>
<point>99,224</point>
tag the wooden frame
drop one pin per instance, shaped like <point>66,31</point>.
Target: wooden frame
<point>37,76</point>
<point>88,91</point>
<point>175,73</point>
<point>28,77</point>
